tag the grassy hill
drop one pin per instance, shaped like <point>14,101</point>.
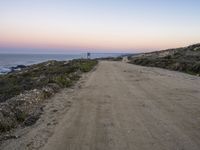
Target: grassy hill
<point>185,59</point>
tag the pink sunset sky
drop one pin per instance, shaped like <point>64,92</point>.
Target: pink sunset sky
<point>97,26</point>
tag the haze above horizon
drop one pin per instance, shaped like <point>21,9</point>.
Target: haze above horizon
<point>35,26</point>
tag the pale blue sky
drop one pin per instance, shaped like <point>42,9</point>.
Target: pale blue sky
<point>104,25</point>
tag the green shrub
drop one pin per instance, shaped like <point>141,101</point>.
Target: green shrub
<point>63,81</point>
<point>6,125</point>
<point>20,115</point>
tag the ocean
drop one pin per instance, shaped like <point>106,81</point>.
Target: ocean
<point>12,60</point>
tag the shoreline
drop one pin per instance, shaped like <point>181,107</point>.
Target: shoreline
<point>27,60</point>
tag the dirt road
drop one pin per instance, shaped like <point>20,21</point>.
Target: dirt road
<point>128,107</point>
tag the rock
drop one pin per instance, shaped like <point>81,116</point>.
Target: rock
<point>55,87</point>
<point>31,120</point>
<point>18,67</point>
<point>66,63</point>
<point>7,137</point>
<point>55,110</point>
<point>21,66</point>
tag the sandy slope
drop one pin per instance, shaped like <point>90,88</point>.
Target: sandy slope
<point>122,107</point>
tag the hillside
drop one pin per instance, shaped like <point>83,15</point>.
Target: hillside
<point>185,59</point>
<point>22,93</point>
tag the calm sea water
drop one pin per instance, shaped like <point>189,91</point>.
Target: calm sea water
<point>12,60</point>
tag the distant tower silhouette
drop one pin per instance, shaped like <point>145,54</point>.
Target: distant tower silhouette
<point>88,55</point>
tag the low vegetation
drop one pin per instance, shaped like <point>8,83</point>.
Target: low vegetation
<point>119,58</point>
<point>185,59</point>
<point>37,76</point>
<point>22,92</point>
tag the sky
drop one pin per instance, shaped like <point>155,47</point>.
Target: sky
<point>45,26</point>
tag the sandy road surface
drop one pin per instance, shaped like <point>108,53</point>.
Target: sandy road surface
<point>128,107</point>
<point>123,107</point>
